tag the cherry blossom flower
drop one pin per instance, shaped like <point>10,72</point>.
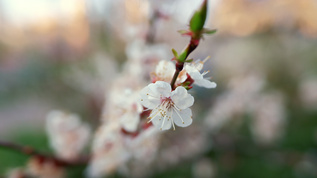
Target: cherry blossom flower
<point>144,147</point>
<point>164,71</point>
<point>68,135</point>
<point>193,70</point>
<point>108,151</point>
<point>168,107</point>
<point>36,167</point>
<point>129,109</point>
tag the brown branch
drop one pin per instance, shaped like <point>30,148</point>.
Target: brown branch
<point>27,150</point>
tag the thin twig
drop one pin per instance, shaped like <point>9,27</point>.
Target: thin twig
<point>27,150</point>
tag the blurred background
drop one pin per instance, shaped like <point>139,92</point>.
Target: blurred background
<point>260,121</point>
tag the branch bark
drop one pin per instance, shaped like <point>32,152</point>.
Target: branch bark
<point>27,150</point>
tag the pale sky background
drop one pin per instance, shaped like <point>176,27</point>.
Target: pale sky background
<point>21,11</point>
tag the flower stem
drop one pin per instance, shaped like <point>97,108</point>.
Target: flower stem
<point>186,52</point>
<point>177,71</point>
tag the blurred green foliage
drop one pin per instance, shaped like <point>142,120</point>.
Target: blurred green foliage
<point>12,159</point>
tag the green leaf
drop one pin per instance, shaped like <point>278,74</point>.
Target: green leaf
<point>210,31</point>
<point>174,53</point>
<point>182,32</point>
<point>182,57</point>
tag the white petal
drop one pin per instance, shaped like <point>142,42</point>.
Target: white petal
<point>160,125</point>
<point>165,67</point>
<point>163,123</point>
<point>196,75</point>
<point>139,108</point>
<point>189,68</point>
<point>181,77</point>
<point>162,88</point>
<point>149,98</point>
<point>181,98</point>
<point>152,94</point>
<point>199,65</point>
<point>130,121</point>
<point>165,70</point>
<point>205,83</point>
<point>182,118</point>
<point>198,78</point>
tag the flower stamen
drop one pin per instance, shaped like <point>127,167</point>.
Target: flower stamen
<point>152,96</point>
<point>179,115</point>
<point>164,118</point>
<point>206,72</point>
<point>208,57</point>
<point>152,117</point>
<point>172,120</point>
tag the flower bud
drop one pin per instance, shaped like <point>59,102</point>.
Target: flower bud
<point>197,21</point>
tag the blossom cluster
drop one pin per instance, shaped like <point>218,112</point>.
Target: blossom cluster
<point>133,116</point>
<point>149,96</point>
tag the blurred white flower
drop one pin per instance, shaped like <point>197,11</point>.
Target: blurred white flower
<point>67,135</point>
<point>129,109</point>
<point>245,95</point>
<point>236,100</point>
<point>193,69</point>
<point>164,71</point>
<point>145,145</point>
<point>168,107</point>
<point>92,76</point>
<point>37,167</point>
<point>269,118</point>
<point>174,150</point>
<point>108,150</point>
